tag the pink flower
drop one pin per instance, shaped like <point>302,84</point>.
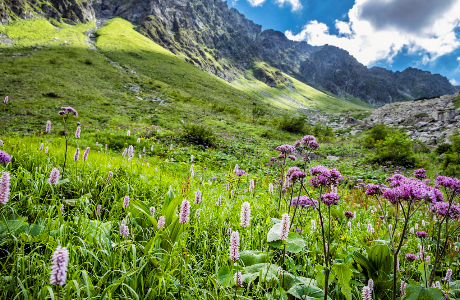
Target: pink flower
<point>6,100</point>
<point>85,155</point>
<point>41,146</point>
<point>124,152</point>
<point>370,284</point>
<point>285,225</point>
<point>198,196</point>
<point>236,168</point>
<point>280,271</point>
<point>77,133</point>
<point>48,126</point>
<point>235,246</point>
<point>128,133</point>
<point>77,154</point>
<point>448,275</point>
<point>152,211</point>
<point>98,210</point>
<point>366,293</point>
<point>270,188</point>
<point>219,202</point>
<point>124,230</point>
<point>403,287</point>
<point>184,212</point>
<point>251,185</point>
<point>197,213</point>
<point>229,231</point>
<point>126,202</point>
<point>108,177</point>
<point>245,214</point>
<point>238,279</point>
<point>46,150</point>
<point>54,176</point>
<point>60,260</point>
<point>4,188</point>
<point>161,222</point>
<point>227,186</point>
<point>313,225</point>
<point>62,209</point>
<point>130,151</point>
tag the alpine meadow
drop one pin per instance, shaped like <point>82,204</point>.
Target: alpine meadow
<point>172,149</point>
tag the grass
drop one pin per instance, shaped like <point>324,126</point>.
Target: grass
<point>456,101</point>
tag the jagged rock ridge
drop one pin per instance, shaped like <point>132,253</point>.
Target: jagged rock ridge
<point>221,41</point>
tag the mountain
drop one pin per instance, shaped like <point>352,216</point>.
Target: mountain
<point>221,41</point>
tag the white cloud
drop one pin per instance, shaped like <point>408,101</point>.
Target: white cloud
<point>296,5</point>
<point>454,82</point>
<point>256,2</point>
<point>380,29</point>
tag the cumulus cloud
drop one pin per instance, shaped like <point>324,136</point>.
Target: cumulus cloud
<point>256,2</point>
<point>380,29</point>
<point>296,5</point>
<point>454,82</point>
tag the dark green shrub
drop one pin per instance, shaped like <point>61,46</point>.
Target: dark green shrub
<point>376,134</point>
<point>396,148</point>
<point>451,162</point>
<point>442,148</point>
<point>199,135</point>
<point>322,130</point>
<point>293,125</point>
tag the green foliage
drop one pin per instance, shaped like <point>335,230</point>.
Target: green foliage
<point>396,148</point>
<point>199,135</point>
<point>442,148</point>
<point>293,125</point>
<point>343,274</point>
<point>378,133</point>
<point>322,130</point>
<point>456,101</point>
<point>361,116</point>
<point>451,162</point>
<point>420,147</point>
<point>418,292</point>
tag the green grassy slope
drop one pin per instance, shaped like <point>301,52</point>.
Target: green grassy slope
<point>48,66</point>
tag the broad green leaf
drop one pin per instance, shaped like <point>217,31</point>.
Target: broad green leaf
<point>381,260</point>
<point>364,263</point>
<point>422,268</point>
<point>343,275</point>
<point>274,233</point>
<point>225,275</point>
<point>418,292</point>
<point>250,258</point>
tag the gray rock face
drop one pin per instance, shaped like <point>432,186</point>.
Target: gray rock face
<point>425,119</point>
<point>221,41</point>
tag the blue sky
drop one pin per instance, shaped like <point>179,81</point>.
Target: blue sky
<point>394,34</point>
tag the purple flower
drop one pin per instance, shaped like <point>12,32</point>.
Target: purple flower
<point>61,112</point>
<point>285,149</point>
<point>366,293</point>
<point>240,173</point>
<point>130,151</point>
<point>421,234</point>
<point>124,230</point>
<point>349,214</point>
<point>272,158</point>
<point>291,157</point>
<point>5,158</point>
<point>4,188</point>
<point>373,190</point>
<point>70,110</point>
<point>309,141</point>
<point>78,124</point>
<point>450,183</point>
<point>54,176</point>
<point>48,126</point>
<point>235,246</point>
<point>184,212</point>
<point>318,181</point>
<point>98,209</point>
<point>304,202</point>
<point>6,100</point>
<point>330,199</point>
<point>77,132</point>
<point>420,173</point>
<point>296,175</point>
<point>60,260</point>
<point>441,209</point>
<point>411,257</point>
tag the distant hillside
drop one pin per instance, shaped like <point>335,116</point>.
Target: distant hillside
<point>221,41</point>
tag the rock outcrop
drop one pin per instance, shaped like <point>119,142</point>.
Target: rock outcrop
<point>426,119</point>
<point>221,41</point>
